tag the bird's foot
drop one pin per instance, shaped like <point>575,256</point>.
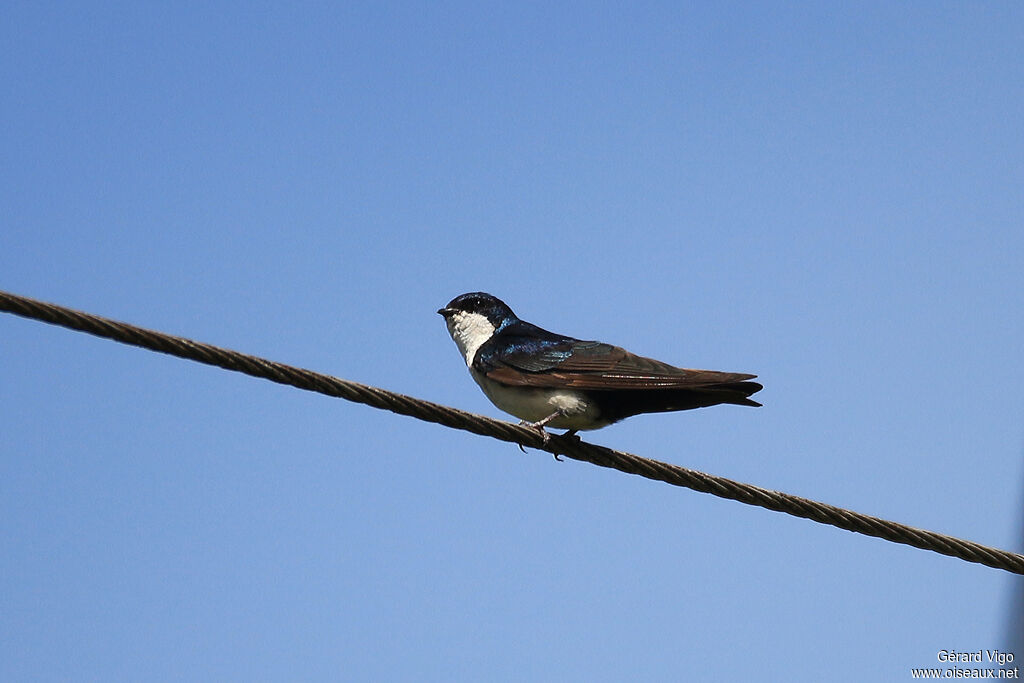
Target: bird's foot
<point>569,435</point>
<point>539,425</point>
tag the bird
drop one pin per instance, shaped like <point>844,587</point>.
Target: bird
<point>552,380</point>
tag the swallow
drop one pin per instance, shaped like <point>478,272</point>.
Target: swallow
<point>551,380</point>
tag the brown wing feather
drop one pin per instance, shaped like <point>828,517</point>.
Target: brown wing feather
<point>615,368</point>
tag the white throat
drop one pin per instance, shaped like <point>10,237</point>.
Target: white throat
<point>470,331</point>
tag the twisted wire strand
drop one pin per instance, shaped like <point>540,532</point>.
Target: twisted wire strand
<point>506,431</point>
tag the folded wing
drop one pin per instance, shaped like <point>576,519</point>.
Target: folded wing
<point>596,366</point>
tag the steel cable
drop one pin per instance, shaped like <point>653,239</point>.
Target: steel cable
<point>506,431</point>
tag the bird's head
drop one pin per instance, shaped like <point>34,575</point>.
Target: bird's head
<point>473,318</point>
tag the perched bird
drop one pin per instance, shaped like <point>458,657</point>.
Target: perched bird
<point>548,379</point>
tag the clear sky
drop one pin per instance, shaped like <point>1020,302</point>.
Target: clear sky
<point>828,195</point>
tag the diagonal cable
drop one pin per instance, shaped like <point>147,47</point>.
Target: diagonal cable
<point>506,431</point>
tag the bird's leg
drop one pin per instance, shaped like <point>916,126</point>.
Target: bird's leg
<point>539,424</point>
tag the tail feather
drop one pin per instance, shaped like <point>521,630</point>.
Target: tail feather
<point>622,404</point>
<point>737,393</point>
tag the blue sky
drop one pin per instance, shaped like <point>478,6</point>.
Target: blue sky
<point>827,195</point>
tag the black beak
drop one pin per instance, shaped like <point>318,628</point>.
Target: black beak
<point>446,311</point>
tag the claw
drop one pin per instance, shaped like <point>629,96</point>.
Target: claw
<point>539,427</point>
